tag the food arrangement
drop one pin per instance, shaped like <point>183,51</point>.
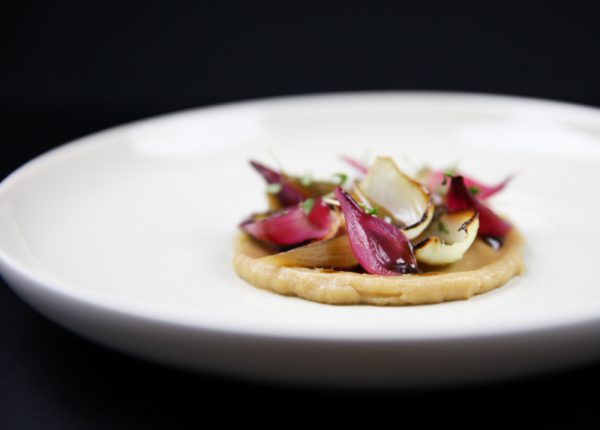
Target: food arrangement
<point>383,238</point>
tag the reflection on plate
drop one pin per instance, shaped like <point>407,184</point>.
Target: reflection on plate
<point>126,236</point>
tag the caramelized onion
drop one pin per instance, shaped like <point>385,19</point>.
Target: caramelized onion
<point>292,189</point>
<point>292,226</point>
<point>334,253</point>
<point>436,184</point>
<point>380,248</point>
<point>448,238</point>
<point>459,198</point>
<point>406,200</point>
<point>288,195</point>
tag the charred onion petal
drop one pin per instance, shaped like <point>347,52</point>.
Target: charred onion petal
<point>379,247</point>
<point>406,200</point>
<point>332,253</point>
<point>482,191</point>
<point>289,194</point>
<point>448,238</point>
<point>292,226</point>
<point>459,198</point>
<point>356,164</point>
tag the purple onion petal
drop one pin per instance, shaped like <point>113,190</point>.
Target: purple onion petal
<point>379,247</point>
<point>459,198</point>
<point>436,180</point>
<point>356,164</point>
<point>289,194</point>
<point>291,226</point>
<point>320,215</point>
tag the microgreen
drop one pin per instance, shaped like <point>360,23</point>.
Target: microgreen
<point>372,211</point>
<point>442,228</point>
<point>307,205</point>
<point>340,178</point>
<point>369,210</point>
<point>447,174</point>
<point>474,190</point>
<point>274,188</point>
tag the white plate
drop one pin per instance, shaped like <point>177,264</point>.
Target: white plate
<point>125,237</point>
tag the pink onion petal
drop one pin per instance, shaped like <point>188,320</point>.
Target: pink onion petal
<point>379,247</point>
<point>436,180</point>
<point>459,198</point>
<point>355,163</point>
<point>291,226</point>
<point>289,194</point>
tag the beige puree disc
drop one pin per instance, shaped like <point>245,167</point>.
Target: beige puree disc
<point>480,270</point>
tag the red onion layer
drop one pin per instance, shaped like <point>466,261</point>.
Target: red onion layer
<point>360,167</point>
<point>288,195</point>
<point>291,226</point>
<point>482,191</point>
<point>459,198</point>
<point>379,247</point>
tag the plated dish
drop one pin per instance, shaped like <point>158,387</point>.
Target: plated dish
<point>125,237</point>
<point>388,239</point>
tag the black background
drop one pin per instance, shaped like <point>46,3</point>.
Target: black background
<point>68,69</point>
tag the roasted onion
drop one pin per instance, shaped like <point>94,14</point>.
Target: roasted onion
<point>380,248</point>
<point>407,201</point>
<point>459,198</point>
<point>448,238</point>
<point>294,225</point>
<point>334,253</point>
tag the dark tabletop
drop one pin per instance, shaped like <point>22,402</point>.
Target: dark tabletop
<point>71,69</point>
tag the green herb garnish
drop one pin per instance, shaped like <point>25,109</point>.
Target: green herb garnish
<point>274,188</point>
<point>442,228</point>
<point>474,190</point>
<point>372,211</point>
<point>307,205</point>
<point>369,210</point>
<point>340,178</point>
<point>447,174</point>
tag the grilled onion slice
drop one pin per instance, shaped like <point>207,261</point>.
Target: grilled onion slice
<point>294,225</point>
<point>407,201</point>
<point>448,238</point>
<point>334,253</point>
<point>459,198</point>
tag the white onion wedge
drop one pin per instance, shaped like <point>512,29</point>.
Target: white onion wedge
<point>407,201</point>
<point>333,253</point>
<point>448,238</point>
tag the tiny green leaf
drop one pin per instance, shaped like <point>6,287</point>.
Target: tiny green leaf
<point>474,190</point>
<point>372,211</point>
<point>442,228</point>
<point>307,205</point>
<point>273,188</point>
<point>447,175</point>
<point>369,210</point>
<point>340,178</point>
